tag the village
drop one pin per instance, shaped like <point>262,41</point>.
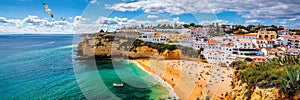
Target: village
<point>222,44</point>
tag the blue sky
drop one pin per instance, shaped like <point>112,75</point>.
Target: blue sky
<point>21,16</point>
<point>23,8</point>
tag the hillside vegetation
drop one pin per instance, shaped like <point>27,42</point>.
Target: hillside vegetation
<point>282,73</point>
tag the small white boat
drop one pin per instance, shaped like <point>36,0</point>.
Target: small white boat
<point>118,84</point>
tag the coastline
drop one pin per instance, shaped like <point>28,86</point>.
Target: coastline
<point>156,77</point>
<point>187,79</point>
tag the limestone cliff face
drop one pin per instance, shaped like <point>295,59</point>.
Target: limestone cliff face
<point>104,47</point>
<point>241,92</point>
<point>175,54</point>
<point>143,51</point>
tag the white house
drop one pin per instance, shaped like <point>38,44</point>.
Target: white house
<point>215,56</point>
<point>236,37</point>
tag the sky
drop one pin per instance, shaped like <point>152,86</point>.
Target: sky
<point>83,16</point>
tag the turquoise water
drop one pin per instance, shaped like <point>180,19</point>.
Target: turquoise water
<point>41,67</point>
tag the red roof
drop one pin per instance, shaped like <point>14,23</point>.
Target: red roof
<point>295,38</point>
<point>212,42</point>
<point>228,45</point>
<point>269,40</point>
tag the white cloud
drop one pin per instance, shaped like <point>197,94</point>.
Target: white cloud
<point>169,21</point>
<point>9,21</point>
<point>253,22</point>
<point>116,22</point>
<point>93,1</point>
<point>109,23</point>
<point>152,16</point>
<point>280,9</point>
<point>34,24</point>
<point>71,18</point>
<point>161,6</point>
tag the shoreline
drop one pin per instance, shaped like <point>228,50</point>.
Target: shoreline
<point>156,77</point>
<point>188,79</point>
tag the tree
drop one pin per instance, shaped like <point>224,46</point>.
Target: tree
<point>251,31</point>
<point>186,25</point>
<point>172,47</point>
<point>198,26</point>
<point>240,31</point>
<point>248,59</point>
<point>223,26</point>
<point>249,27</point>
<point>101,31</point>
<point>274,26</point>
<point>192,24</point>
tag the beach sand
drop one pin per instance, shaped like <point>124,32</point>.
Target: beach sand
<point>191,80</point>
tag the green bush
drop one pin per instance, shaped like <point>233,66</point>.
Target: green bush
<point>282,72</point>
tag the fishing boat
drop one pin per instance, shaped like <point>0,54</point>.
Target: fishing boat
<point>118,84</point>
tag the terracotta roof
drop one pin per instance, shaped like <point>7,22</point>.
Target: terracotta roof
<point>228,45</point>
<point>240,57</point>
<point>286,36</point>
<point>269,40</point>
<point>283,30</point>
<point>221,52</point>
<point>198,28</point>
<point>244,40</point>
<point>260,43</point>
<point>260,39</point>
<point>286,47</point>
<point>271,50</point>
<point>293,48</point>
<point>295,38</point>
<point>292,33</point>
<point>259,58</point>
<point>212,42</point>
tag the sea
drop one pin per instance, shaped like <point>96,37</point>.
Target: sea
<point>42,66</point>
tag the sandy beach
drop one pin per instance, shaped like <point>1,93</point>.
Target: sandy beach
<point>191,80</point>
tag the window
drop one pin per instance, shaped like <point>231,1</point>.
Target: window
<point>266,36</point>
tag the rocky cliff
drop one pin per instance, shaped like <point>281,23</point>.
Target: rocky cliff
<point>120,47</point>
<point>241,91</point>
